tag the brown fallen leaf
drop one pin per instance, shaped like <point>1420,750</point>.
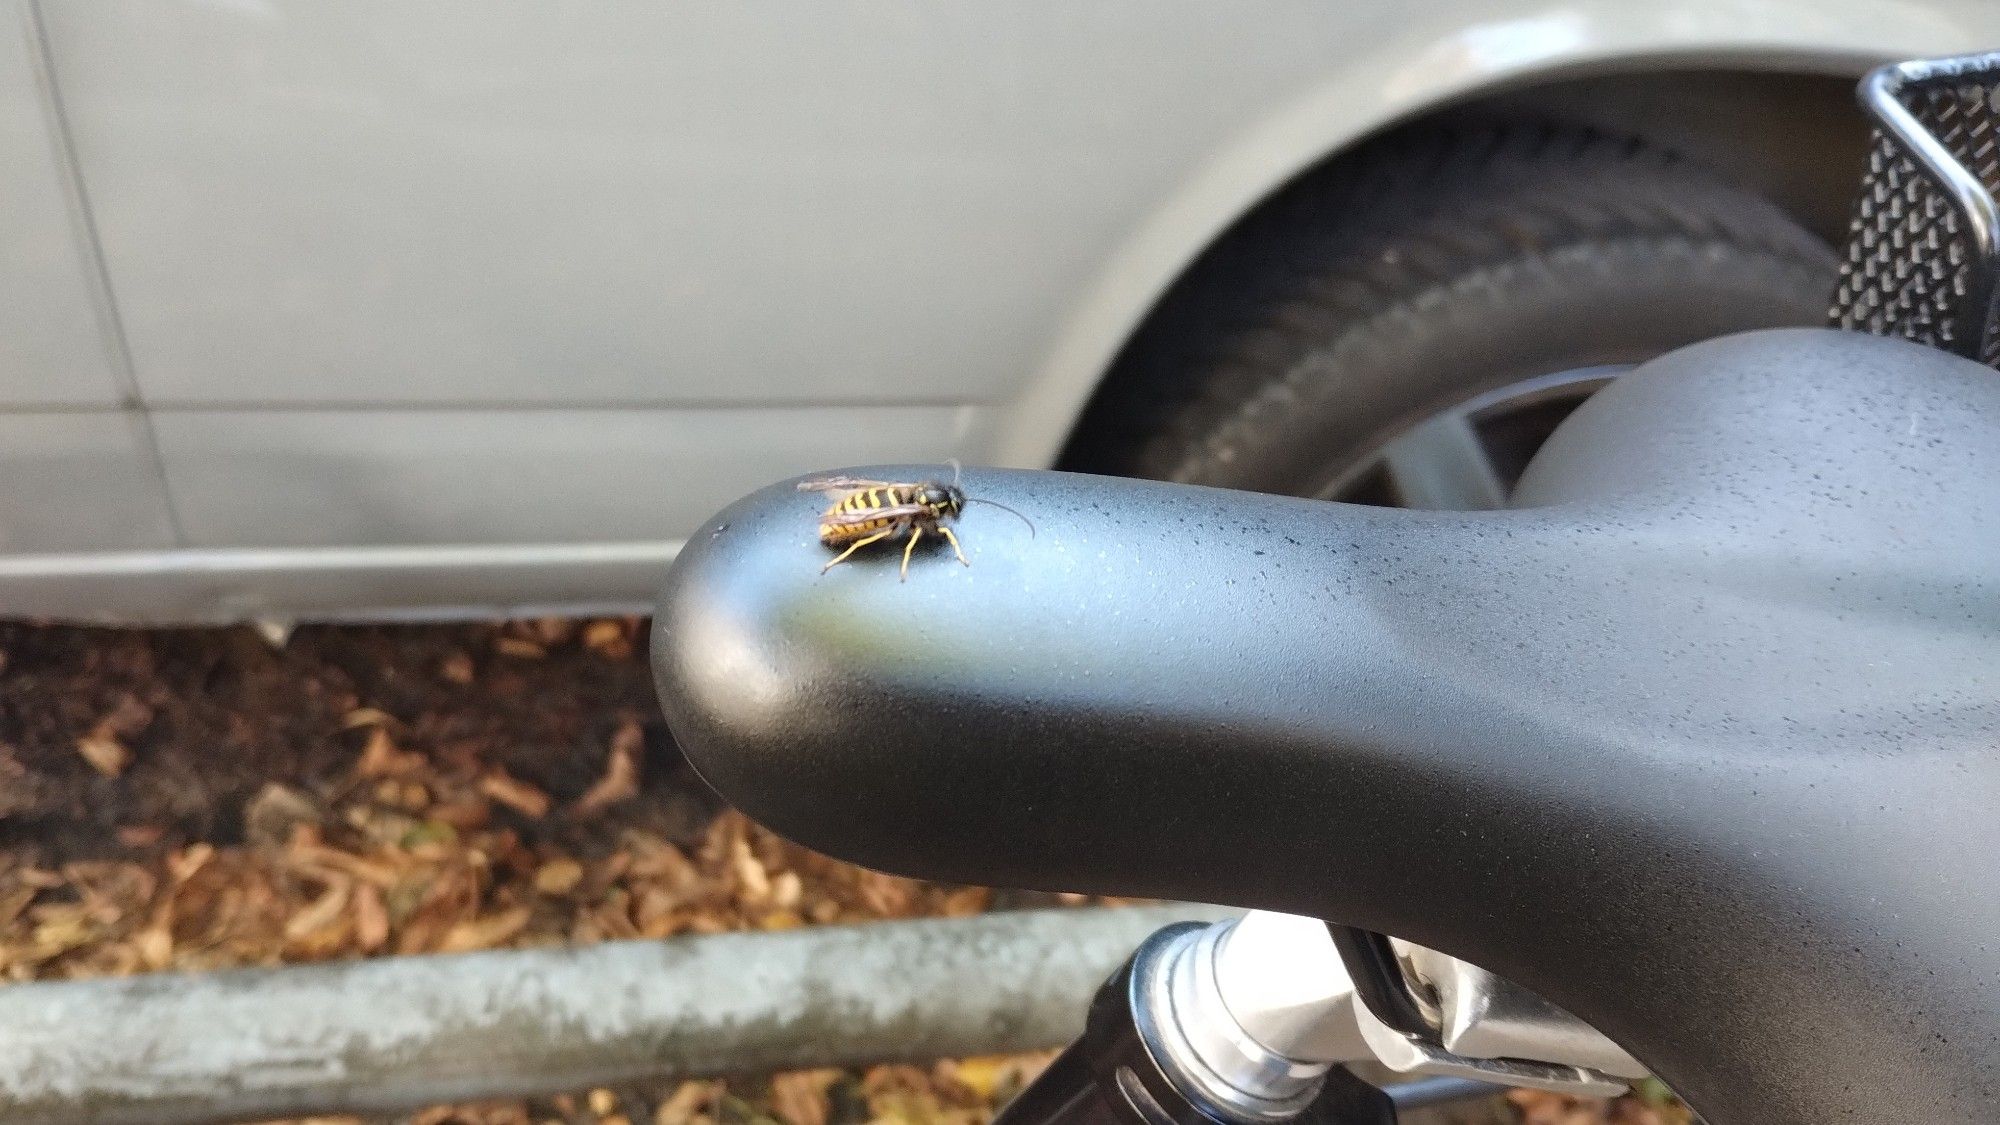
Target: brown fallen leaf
<point>753,881</point>
<point>607,637</point>
<point>657,912</point>
<point>14,901</point>
<point>371,918</point>
<point>366,717</point>
<point>799,1097</point>
<point>516,794</point>
<point>484,932</point>
<point>786,890</point>
<point>550,631</point>
<point>109,891</point>
<point>104,753</point>
<point>155,946</point>
<point>688,1100</point>
<point>558,876</point>
<point>464,812</point>
<point>994,1078</point>
<point>520,648</point>
<point>58,928</point>
<point>319,913</point>
<point>457,668</point>
<point>653,858</point>
<point>330,864</point>
<point>889,896</point>
<point>979,1075</point>
<point>380,757</point>
<point>966,901</point>
<point>620,781</point>
<point>182,865</point>
<point>441,900</point>
<point>270,816</point>
<point>908,1093</point>
<point>128,718</point>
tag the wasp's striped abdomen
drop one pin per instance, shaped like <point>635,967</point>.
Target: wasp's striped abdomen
<point>836,533</point>
<point>884,497</point>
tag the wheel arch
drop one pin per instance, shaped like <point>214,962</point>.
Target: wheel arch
<point>1781,123</point>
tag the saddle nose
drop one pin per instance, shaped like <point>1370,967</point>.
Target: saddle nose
<point>1670,745</point>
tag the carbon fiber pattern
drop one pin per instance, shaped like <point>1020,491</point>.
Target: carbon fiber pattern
<point>1914,266</point>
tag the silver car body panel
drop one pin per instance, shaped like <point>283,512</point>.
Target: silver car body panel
<point>52,348</point>
<point>415,306</point>
<point>78,481</point>
<point>337,478</point>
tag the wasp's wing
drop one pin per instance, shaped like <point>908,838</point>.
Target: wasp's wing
<point>871,515</point>
<point>846,484</point>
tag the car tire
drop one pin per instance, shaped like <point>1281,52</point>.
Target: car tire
<point>1424,272</point>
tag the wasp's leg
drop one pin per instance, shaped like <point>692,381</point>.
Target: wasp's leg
<point>916,533</point>
<point>856,546</point>
<point>953,540</point>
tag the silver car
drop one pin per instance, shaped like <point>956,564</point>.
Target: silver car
<point>470,306</point>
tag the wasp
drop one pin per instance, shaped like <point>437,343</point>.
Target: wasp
<point>875,510</point>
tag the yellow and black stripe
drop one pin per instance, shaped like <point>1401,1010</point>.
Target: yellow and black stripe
<point>888,497</point>
<point>849,529</point>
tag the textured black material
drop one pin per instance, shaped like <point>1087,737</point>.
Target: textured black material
<point>1920,261</point>
<point>1701,746</point>
<point>1423,269</point>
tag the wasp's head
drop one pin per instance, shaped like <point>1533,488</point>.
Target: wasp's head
<point>947,498</point>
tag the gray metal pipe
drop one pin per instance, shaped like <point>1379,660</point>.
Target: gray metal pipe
<point>388,1035</point>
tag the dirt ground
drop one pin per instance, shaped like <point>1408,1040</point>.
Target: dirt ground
<point>206,718</point>
<point>200,799</point>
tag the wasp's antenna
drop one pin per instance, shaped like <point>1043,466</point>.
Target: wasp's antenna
<point>1005,508</point>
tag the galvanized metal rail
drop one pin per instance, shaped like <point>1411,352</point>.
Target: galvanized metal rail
<point>382,1036</point>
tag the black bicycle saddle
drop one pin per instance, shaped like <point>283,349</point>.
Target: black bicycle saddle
<point>1698,742</point>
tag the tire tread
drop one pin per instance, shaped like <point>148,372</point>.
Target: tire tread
<point>1422,217</point>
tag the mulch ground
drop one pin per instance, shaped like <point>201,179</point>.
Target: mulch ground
<point>201,799</point>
